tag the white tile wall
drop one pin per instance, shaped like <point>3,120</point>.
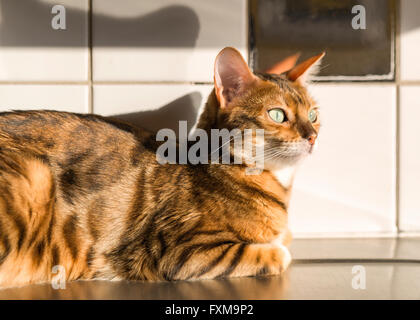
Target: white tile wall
<point>410,40</point>
<point>165,40</point>
<point>409,158</point>
<point>72,98</point>
<point>348,184</point>
<point>31,50</point>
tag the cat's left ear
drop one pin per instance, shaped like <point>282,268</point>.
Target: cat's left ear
<point>304,70</point>
<point>232,77</point>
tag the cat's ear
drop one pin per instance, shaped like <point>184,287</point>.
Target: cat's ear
<point>231,76</point>
<point>284,65</point>
<point>304,70</point>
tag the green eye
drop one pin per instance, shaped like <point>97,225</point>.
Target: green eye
<point>312,115</point>
<point>277,115</point>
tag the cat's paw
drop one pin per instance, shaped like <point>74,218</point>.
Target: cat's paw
<point>286,257</point>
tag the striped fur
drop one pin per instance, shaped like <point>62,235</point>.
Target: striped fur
<point>87,193</point>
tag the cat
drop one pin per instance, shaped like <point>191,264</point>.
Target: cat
<point>86,192</point>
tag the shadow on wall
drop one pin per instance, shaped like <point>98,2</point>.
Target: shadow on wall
<point>411,21</point>
<point>184,108</point>
<point>172,26</point>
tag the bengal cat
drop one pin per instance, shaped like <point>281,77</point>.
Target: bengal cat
<point>86,192</point>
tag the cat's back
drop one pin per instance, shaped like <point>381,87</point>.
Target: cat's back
<point>86,154</point>
<point>61,137</point>
<point>51,127</point>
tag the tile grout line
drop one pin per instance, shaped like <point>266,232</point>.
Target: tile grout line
<point>397,49</point>
<point>90,58</point>
<point>23,83</point>
<point>397,161</point>
<point>107,82</point>
<point>198,83</point>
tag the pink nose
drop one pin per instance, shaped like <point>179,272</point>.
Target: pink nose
<point>312,139</point>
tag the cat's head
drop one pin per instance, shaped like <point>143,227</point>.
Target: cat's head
<point>276,101</point>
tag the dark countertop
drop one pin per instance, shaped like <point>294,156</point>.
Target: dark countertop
<point>322,269</point>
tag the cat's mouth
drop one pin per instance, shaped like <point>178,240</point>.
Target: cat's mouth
<point>311,149</point>
<point>289,150</point>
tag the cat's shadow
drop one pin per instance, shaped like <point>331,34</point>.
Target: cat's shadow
<point>171,26</point>
<point>185,108</point>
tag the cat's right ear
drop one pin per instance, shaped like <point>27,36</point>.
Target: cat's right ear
<point>302,72</point>
<point>231,76</point>
<point>284,65</point>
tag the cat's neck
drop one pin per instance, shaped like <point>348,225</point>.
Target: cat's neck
<point>286,175</point>
<point>278,183</point>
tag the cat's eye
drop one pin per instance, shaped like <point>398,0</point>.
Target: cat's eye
<point>312,115</point>
<point>277,115</point>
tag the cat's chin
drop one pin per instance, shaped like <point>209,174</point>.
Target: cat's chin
<point>284,162</point>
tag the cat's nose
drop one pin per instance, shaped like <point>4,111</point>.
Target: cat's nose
<point>312,138</point>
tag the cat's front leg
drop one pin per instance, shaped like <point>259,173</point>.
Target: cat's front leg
<point>227,260</point>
